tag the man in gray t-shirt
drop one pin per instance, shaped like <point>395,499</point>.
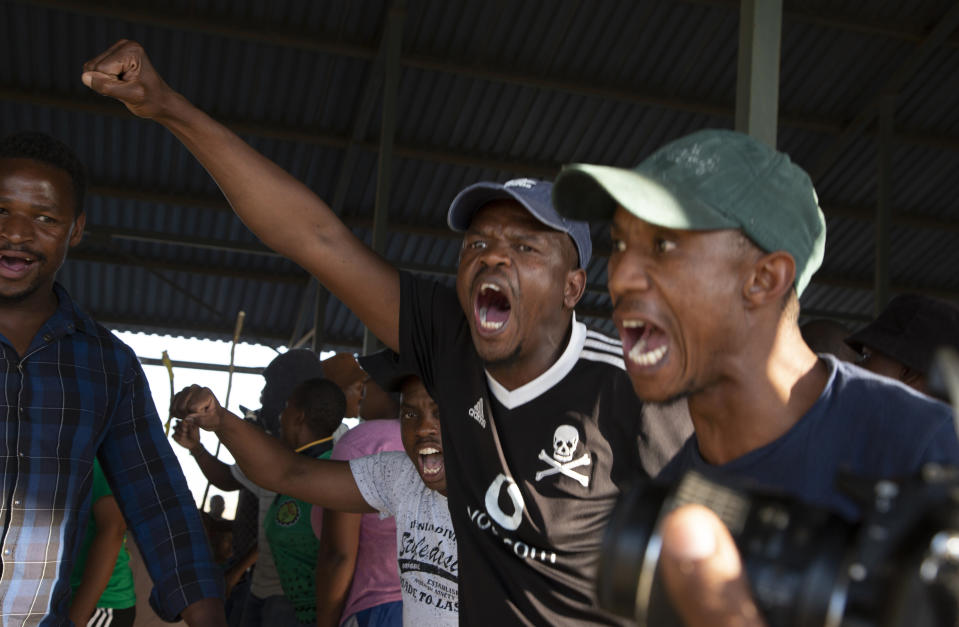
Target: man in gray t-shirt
<point>425,542</point>
<point>385,482</point>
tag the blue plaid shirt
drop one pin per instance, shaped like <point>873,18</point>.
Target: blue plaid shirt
<point>79,393</point>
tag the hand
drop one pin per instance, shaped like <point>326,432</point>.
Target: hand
<point>124,72</point>
<point>79,616</point>
<point>703,573</point>
<point>197,407</point>
<point>187,435</point>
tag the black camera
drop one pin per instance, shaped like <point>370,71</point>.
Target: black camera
<point>897,565</point>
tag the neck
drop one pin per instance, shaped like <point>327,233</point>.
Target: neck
<point>311,441</point>
<point>20,320</point>
<point>763,394</point>
<point>522,369</point>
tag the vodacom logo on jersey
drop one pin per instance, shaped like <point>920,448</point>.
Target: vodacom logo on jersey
<point>499,522</point>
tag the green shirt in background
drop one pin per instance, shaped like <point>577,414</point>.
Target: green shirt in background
<point>294,546</point>
<point>120,593</point>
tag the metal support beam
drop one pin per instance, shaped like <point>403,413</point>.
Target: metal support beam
<point>316,137</point>
<point>946,26</point>
<point>850,21</point>
<point>910,219</point>
<point>887,111</point>
<point>301,313</point>
<point>392,49</point>
<point>319,318</point>
<point>153,361</point>
<point>757,77</point>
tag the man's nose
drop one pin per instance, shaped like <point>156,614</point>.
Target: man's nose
<point>628,272</point>
<point>496,253</point>
<point>15,228</point>
<point>429,425</point>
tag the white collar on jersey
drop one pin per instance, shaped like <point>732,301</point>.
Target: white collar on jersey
<point>529,391</point>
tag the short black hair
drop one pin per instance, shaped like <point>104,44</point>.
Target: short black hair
<point>51,151</point>
<point>322,403</point>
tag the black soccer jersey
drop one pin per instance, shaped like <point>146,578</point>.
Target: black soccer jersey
<point>533,473</point>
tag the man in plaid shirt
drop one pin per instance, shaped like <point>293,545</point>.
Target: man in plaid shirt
<point>69,392</point>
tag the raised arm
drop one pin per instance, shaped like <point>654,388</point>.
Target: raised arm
<point>280,210</point>
<point>215,470</point>
<point>267,462</point>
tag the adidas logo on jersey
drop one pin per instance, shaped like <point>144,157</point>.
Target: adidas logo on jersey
<point>476,413</point>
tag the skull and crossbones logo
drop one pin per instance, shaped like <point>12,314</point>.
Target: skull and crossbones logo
<point>565,440</point>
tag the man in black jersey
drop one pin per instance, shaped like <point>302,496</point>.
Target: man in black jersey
<point>540,428</point>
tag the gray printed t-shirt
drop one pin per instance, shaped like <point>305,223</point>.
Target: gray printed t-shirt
<point>425,542</point>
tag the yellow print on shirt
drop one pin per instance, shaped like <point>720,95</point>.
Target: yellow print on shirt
<point>288,513</point>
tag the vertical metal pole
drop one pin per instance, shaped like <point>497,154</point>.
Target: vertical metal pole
<point>887,112</point>
<point>319,318</point>
<point>757,76</point>
<point>393,37</point>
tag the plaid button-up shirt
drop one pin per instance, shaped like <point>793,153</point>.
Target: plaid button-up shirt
<point>77,393</point>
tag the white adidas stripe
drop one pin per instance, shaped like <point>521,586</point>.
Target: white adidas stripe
<point>595,335</point>
<point>601,346</point>
<point>603,357</point>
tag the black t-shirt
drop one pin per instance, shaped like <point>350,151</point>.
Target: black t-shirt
<point>534,473</point>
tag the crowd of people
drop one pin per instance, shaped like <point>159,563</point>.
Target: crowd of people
<point>499,431</point>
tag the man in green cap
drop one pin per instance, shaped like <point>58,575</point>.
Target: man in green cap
<point>714,237</point>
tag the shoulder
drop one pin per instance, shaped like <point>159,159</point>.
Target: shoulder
<point>856,387</point>
<point>367,438</point>
<point>888,417</point>
<point>599,348</point>
<point>97,348</point>
<point>414,288</point>
<point>393,466</point>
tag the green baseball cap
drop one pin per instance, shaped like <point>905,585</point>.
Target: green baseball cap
<point>708,180</point>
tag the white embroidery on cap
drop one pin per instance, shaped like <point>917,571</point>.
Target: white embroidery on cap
<point>691,158</point>
<point>524,183</point>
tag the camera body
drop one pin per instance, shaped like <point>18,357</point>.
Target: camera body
<point>897,565</point>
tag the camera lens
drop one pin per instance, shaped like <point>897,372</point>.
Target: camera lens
<point>627,550</point>
<point>794,555</point>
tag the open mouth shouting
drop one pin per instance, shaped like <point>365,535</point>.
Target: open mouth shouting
<point>430,462</point>
<point>645,345</point>
<point>15,264</point>
<point>491,308</point>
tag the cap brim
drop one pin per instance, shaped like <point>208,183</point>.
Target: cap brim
<point>384,368</point>
<point>473,198</point>
<point>593,192</point>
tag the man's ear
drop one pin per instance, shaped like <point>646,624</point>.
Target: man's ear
<point>298,416</point>
<point>574,287</point>
<point>78,225</point>
<point>770,278</point>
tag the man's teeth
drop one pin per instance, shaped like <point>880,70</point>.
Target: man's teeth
<point>640,356</point>
<point>489,324</point>
<point>428,468</point>
<point>633,324</point>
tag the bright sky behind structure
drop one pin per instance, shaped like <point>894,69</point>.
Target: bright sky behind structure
<point>245,389</point>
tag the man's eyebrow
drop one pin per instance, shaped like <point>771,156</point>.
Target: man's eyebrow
<point>33,205</point>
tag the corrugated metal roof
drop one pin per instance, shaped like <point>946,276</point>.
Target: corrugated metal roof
<point>487,90</point>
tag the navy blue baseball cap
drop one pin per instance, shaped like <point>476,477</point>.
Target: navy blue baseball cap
<point>384,368</point>
<point>535,196</point>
